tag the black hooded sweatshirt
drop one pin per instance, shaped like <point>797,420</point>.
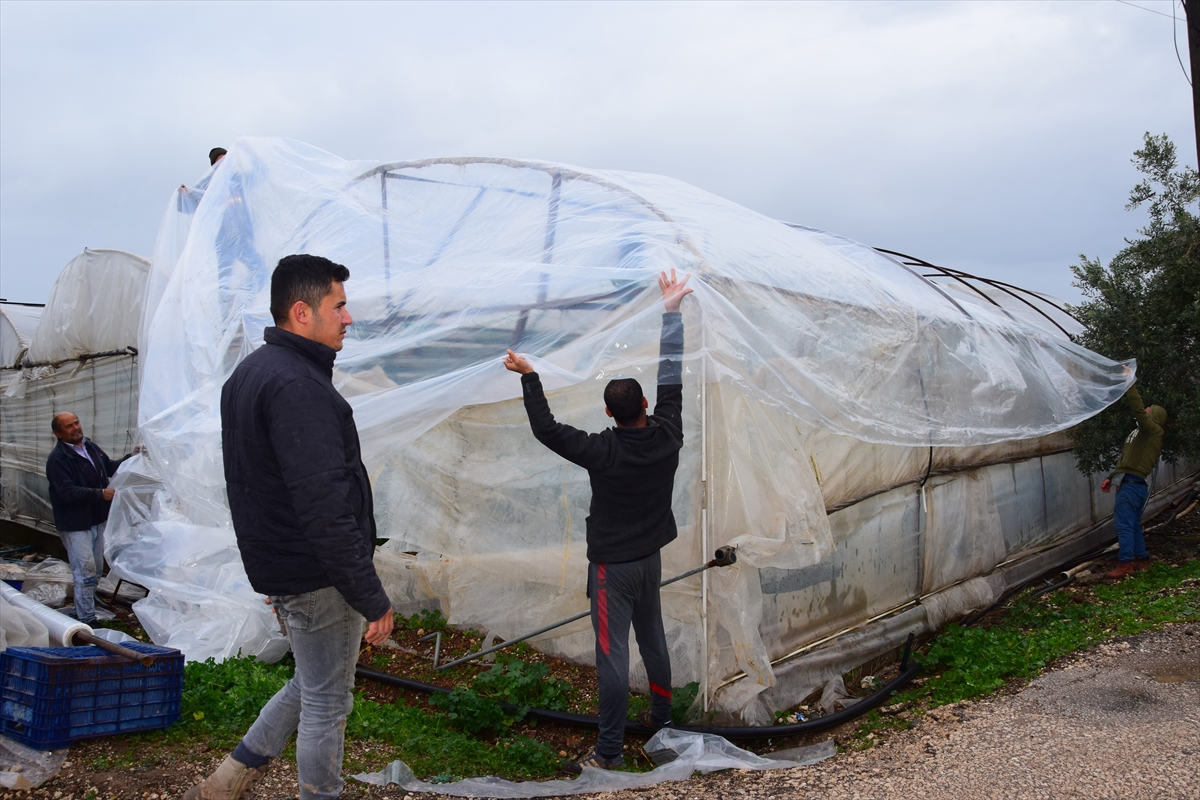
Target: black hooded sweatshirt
<point>298,490</point>
<point>632,470</point>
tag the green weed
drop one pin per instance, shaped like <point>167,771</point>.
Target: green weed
<point>426,620</point>
<point>1036,631</point>
<point>965,663</point>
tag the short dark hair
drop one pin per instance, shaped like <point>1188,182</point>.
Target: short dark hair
<point>305,278</point>
<point>215,153</point>
<point>54,424</point>
<point>624,399</point>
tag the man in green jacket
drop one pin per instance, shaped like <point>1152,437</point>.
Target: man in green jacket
<point>1138,458</point>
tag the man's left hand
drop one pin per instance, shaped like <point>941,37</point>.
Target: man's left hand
<point>380,629</point>
<point>673,289</point>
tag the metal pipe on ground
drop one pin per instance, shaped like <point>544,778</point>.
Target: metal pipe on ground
<point>722,558</point>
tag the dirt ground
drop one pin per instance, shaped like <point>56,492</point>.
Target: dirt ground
<point>1120,720</point>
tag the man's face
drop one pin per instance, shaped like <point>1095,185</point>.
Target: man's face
<point>331,318</point>
<point>69,429</point>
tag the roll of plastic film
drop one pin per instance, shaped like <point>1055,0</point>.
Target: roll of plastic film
<point>61,627</point>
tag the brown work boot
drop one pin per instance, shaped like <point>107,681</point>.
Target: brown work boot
<point>1123,570</point>
<point>229,782</point>
<point>1140,564</point>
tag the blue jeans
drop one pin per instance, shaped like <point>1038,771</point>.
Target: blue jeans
<point>325,634</point>
<point>1127,517</point>
<point>85,551</point>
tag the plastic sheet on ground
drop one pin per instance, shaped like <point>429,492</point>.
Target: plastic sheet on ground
<point>49,582</point>
<point>679,754</point>
<point>23,767</point>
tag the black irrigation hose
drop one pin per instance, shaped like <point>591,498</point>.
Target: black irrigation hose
<point>1052,587</point>
<point>749,732</point>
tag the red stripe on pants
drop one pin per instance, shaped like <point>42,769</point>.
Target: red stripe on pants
<point>654,687</point>
<point>602,608</point>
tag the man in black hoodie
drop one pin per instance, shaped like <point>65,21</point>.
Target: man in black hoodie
<point>632,471</point>
<point>302,512</point>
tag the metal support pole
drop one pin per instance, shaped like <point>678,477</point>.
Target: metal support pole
<point>704,498</point>
<point>722,558</point>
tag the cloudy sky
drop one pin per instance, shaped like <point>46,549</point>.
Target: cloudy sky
<point>991,137</point>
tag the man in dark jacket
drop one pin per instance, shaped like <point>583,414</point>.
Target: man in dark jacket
<point>78,472</point>
<point>301,506</point>
<point>632,471</point>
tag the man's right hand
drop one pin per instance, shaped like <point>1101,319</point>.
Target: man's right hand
<point>1106,487</point>
<point>517,363</point>
<point>380,629</point>
<point>109,494</point>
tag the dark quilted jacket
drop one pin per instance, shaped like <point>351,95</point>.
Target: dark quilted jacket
<point>298,490</point>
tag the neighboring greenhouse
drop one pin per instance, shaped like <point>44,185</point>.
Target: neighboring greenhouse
<point>876,442</point>
<point>78,354</point>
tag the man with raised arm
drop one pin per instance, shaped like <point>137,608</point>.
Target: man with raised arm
<point>302,512</point>
<point>1138,457</point>
<point>632,471</point>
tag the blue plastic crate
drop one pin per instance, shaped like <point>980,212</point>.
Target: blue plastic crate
<point>52,696</point>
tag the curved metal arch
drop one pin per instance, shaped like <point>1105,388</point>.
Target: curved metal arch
<point>1008,288</point>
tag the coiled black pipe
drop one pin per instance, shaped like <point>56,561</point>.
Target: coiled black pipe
<point>907,673</point>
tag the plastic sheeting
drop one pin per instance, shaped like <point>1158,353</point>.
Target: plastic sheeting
<point>95,306</point>
<point>61,628</point>
<point>801,347</point>
<point>23,767</point>
<point>679,755</point>
<point>20,628</point>
<point>17,325</point>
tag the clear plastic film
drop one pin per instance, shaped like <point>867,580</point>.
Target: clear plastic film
<point>802,349</point>
<point>678,754</point>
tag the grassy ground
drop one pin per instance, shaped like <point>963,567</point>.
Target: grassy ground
<point>1017,642</point>
<point>467,734</point>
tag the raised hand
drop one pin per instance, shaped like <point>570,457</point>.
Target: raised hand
<point>516,363</point>
<point>673,290</point>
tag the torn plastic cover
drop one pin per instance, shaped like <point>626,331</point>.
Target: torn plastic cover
<point>454,260</point>
<point>679,754</point>
<point>23,767</point>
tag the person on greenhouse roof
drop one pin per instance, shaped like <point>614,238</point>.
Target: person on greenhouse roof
<point>632,471</point>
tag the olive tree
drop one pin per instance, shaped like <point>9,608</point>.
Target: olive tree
<point>1145,304</point>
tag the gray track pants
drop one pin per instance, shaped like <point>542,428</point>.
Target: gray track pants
<point>622,594</point>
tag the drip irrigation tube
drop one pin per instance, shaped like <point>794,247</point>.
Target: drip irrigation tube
<point>878,698</point>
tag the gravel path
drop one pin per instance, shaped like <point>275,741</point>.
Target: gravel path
<point>1121,721</point>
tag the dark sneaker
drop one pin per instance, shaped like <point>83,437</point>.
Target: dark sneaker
<point>645,719</point>
<point>1123,570</point>
<point>593,759</point>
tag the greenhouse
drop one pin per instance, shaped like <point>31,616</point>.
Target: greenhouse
<point>78,353</point>
<point>881,440</point>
